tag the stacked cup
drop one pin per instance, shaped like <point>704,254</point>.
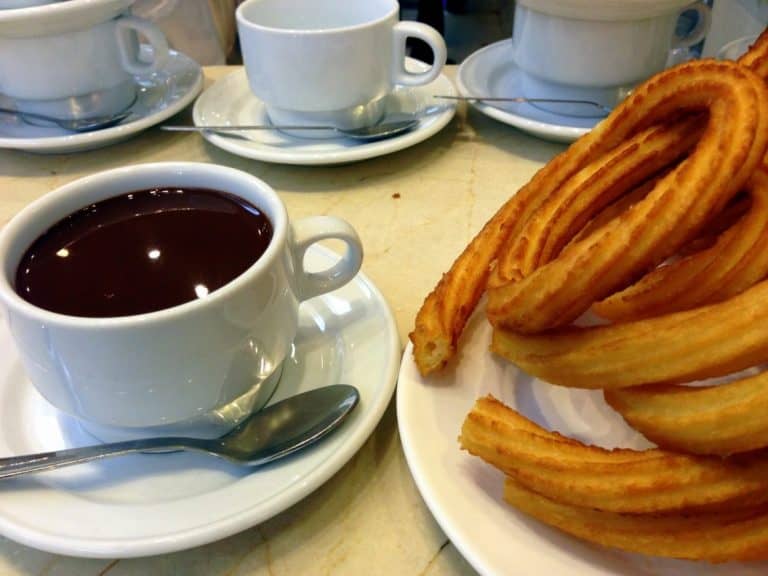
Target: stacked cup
<point>75,59</point>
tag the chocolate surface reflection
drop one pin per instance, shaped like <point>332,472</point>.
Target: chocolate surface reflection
<point>142,252</point>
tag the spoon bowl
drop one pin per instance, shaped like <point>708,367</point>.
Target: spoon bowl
<point>287,426</point>
<point>70,124</point>
<point>267,435</point>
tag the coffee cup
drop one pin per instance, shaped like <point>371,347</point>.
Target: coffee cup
<point>329,62</point>
<point>76,59</point>
<point>197,367</point>
<point>596,50</point>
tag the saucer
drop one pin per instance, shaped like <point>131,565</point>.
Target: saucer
<point>160,96</point>
<point>146,504</point>
<point>491,72</point>
<point>230,102</point>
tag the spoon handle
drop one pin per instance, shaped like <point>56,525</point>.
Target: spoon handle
<point>72,124</point>
<point>17,465</point>
<point>228,128</point>
<point>523,99</point>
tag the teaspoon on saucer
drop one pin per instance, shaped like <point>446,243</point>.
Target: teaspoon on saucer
<point>522,99</point>
<point>71,124</point>
<point>374,132</point>
<point>267,435</point>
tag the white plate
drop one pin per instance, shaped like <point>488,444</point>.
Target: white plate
<point>230,102</point>
<point>465,494</point>
<point>161,95</point>
<point>492,72</point>
<point>155,503</point>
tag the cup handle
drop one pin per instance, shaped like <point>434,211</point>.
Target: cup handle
<point>126,29</point>
<point>306,232</point>
<point>408,29</point>
<point>699,31</point>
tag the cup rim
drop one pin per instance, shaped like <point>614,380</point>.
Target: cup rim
<point>58,18</point>
<point>606,10</point>
<point>242,21</point>
<point>58,9</point>
<point>31,213</point>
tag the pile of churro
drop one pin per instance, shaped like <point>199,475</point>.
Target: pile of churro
<point>657,222</point>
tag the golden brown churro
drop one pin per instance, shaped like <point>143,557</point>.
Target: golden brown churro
<point>558,291</point>
<point>445,311</point>
<point>736,261</point>
<point>626,481</point>
<point>653,501</point>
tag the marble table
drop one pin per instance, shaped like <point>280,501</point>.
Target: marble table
<point>414,211</point>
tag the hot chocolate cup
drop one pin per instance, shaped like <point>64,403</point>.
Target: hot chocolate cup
<point>196,368</point>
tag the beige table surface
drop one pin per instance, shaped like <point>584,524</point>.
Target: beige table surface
<point>414,211</point>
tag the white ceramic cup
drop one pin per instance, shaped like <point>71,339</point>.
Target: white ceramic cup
<point>329,62</point>
<point>197,368</point>
<point>596,50</point>
<point>75,59</point>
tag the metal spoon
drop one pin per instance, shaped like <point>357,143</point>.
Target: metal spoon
<point>71,124</point>
<point>269,434</point>
<point>522,99</point>
<point>374,132</point>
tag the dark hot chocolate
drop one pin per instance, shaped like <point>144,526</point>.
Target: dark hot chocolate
<point>142,252</point>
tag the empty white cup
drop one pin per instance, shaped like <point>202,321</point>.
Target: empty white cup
<point>596,50</point>
<point>329,62</point>
<point>75,59</point>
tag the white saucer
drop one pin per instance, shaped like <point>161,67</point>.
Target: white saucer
<point>465,494</point>
<point>150,504</point>
<point>230,102</point>
<point>161,95</point>
<point>491,72</point>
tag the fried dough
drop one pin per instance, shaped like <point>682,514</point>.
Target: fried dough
<point>625,481</point>
<point>722,536</point>
<point>730,149</point>
<point>737,260</point>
